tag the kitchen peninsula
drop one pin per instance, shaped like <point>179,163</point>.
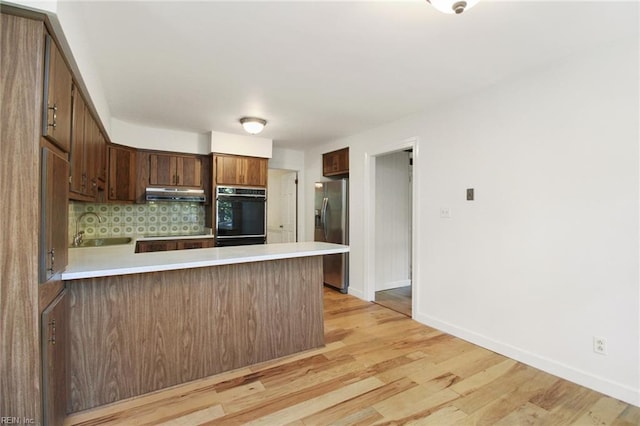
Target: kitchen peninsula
<point>143,322</point>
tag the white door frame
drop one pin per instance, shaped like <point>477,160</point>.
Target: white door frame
<point>370,219</point>
<point>298,195</point>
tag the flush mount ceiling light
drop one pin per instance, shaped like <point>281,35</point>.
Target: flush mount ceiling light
<point>253,125</point>
<point>453,6</point>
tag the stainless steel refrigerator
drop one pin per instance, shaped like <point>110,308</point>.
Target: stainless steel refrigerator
<point>332,226</point>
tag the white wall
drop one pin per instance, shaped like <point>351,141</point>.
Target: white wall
<point>392,221</point>
<point>146,137</point>
<point>547,255</point>
<point>252,146</point>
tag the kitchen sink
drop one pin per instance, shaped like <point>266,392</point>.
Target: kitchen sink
<point>99,242</point>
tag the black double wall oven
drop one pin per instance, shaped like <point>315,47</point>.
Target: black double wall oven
<point>241,216</point>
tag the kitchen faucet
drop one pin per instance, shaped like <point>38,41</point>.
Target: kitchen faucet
<point>77,238</point>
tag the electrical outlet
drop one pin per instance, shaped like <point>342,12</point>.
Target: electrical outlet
<point>445,213</point>
<point>600,345</point>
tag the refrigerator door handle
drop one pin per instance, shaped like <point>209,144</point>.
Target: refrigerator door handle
<point>323,217</point>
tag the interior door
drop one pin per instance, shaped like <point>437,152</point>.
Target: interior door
<point>288,201</point>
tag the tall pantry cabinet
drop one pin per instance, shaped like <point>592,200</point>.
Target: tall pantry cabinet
<point>35,127</point>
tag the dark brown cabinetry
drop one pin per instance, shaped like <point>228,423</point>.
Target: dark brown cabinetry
<point>239,170</point>
<point>21,90</point>
<point>178,244</point>
<point>54,372</point>
<point>79,177</point>
<point>57,102</point>
<point>336,163</point>
<point>88,154</point>
<point>194,244</point>
<point>96,147</point>
<point>175,170</point>
<point>54,223</point>
<point>122,173</point>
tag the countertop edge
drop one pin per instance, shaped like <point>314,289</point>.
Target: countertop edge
<point>163,264</point>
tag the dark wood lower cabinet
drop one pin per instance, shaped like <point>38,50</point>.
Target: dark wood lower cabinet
<point>178,244</point>
<point>195,244</point>
<point>54,353</point>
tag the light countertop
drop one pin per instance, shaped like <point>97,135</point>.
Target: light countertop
<point>89,262</point>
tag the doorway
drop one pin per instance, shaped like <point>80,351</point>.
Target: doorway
<point>375,234</point>
<point>393,228</point>
<point>282,206</point>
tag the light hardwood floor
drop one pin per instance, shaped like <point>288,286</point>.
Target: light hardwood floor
<point>378,367</point>
<point>398,299</point>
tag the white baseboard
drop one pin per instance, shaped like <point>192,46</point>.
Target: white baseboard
<point>356,293</point>
<point>616,390</point>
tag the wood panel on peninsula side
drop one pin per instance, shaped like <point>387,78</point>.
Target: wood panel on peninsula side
<point>133,334</point>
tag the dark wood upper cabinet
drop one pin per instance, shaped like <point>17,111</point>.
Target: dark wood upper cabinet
<point>88,157</point>
<point>239,170</point>
<point>122,173</point>
<point>94,157</point>
<point>56,116</point>
<point>336,163</point>
<point>79,181</point>
<point>175,170</point>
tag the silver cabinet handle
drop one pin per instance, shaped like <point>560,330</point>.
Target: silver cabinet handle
<point>52,258</point>
<point>54,108</point>
<point>52,339</point>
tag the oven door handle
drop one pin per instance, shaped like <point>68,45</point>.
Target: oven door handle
<point>232,196</point>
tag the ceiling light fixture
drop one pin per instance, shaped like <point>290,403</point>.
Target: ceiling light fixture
<point>453,6</point>
<point>253,125</point>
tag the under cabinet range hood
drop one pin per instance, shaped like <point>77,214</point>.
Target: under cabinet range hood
<point>176,194</point>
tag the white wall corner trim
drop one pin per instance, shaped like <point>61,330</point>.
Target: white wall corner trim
<point>600,384</point>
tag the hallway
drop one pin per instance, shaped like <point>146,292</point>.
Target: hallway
<point>397,299</point>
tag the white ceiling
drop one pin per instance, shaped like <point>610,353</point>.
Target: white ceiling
<point>322,70</point>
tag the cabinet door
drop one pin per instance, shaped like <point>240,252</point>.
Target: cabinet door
<point>91,155</point>
<point>189,171</point>
<point>255,171</point>
<point>122,174</point>
<point>54,215</point>
<point>57,97</point>
<point>194,244</point>
<point>162,170</point>
<point>237,170</point>
<point>228,170</point>
<point>101,155</point>
<point>151,246</point>
<point>79,181</point>
<point>54,374</point>
<point>336,163</point>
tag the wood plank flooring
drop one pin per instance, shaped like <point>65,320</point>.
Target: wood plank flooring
<point>398,299</point>
<point>378,367</point>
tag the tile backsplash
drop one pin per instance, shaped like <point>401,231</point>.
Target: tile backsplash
<point>164,218</point>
